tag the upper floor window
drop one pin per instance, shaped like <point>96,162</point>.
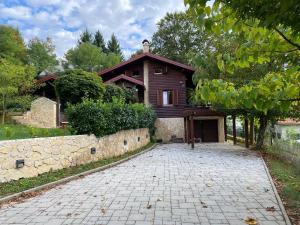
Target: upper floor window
<point>167,97</point>
<point>136,73</point>
<point>158,71</point>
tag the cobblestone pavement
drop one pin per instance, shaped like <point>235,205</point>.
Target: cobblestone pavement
<point>170,185</point>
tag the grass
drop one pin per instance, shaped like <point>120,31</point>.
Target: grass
<point>287,181</point>
<point>14,131</point>
<point>27,183</point>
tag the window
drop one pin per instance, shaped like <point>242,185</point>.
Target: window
<point>167,97</point>
<point>158,71</point>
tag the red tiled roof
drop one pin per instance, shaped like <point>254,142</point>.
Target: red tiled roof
<point>46,78</point>
<point>148,55</point>
<point>124,77</point>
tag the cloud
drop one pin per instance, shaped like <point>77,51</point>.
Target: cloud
<point>130,20</point>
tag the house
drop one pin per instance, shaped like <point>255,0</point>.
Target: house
<point>163,84</point>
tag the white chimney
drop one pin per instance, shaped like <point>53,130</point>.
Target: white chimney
<point>146,46</point>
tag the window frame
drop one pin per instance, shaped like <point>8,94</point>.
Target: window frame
<point>170,99</point>
<point>158,73</point>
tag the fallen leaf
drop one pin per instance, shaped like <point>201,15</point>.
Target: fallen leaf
<point>69,214</point>
<point>59,203</point>
<point>149,206</point>
<point>203,204</point>
<point>266,189</point>
<point>85,192</point>
<point>250,221</point>
<point>249,188</point>
<point>103,211</point>
<point>271,209</point>
<point>209,184</point>
<point>154,176</point>
<point>159,199</point>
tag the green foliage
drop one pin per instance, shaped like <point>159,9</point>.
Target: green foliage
<point>113,91</point>
<point>99,41</point>
<point>262,42</point>
<point>41,54</point>
<point>14,79</point>
<point>90,58</point>
<point>20,103</point>
<point>12,46</point>
<point>73,85</point>
<point>85,37</point>
<point>177,37</point>
<point>8,132</point>
<point>100,118</point>
<point>113,46</point>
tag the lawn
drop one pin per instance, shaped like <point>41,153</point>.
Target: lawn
<point>27,183</point>
<point>287,180</point>
<point>14,131</point>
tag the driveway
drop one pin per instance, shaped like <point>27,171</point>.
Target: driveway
<point>170,185</point>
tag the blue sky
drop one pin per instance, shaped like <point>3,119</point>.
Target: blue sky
<point>63,20</point>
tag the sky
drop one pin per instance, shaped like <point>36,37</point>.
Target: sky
<point>63,20</point>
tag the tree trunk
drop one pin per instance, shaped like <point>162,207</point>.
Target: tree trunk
<point>263,122</point>
<point>3,108</point>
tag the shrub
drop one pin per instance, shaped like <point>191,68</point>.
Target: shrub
<point>20,103</point>
<point>114,91</point>
<point>104,118</point>
<point>73,85</point>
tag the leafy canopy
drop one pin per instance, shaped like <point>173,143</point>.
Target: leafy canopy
<point>73,85</point>
<point>41,54</point>
<point>12,46</point>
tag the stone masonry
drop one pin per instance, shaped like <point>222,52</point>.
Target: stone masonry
<point>44,154</point>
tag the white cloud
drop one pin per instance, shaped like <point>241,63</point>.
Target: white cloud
<point>62,20</point>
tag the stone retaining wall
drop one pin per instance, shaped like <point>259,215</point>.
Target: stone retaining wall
<point>44,154</point>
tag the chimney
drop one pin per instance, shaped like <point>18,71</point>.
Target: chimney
<point>146,46</point>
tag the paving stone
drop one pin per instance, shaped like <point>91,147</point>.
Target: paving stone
<point>171,185</point>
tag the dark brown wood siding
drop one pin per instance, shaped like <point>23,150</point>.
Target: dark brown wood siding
<point>172,79</point>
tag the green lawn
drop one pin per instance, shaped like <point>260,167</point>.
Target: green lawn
<point>27,183</point>
<point>13,131</point>
<point>287,179</point>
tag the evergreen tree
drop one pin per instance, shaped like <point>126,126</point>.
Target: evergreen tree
<point>85,37</point>
<point>113,46</point>
<point>99,41</point>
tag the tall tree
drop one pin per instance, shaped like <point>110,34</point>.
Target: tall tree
<point>113,46</point>
<point>11,44</point>
<point>99,41</point>
<point>90,58</point>
<point>41,54</point>
<point>177,37</point>
<point>14,79</point>
<point>85,37</point>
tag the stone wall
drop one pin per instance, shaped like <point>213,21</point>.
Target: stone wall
<point>42,114</point>
<point>168,127</point>
<point>44,154</point>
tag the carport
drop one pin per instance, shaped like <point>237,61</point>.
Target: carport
<point>203,125</point>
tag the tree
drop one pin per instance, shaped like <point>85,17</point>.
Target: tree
<point>41,54</point>
<point>177,36</point>
<point>74,85</point>
<point>267,99</point>
<point>85,56</point>
<point>113,46</point>
<point>99,41</point>
<point>14,79</point>
<point>90,58</point>
<point>85,37</point>
<point>12,46</point>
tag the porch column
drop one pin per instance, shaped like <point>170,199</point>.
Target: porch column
<point>192,131</point>
<point>188,136</point>
<point>185,139</point>
<point>225,127</point>
<point>58,111</point>
<point>146,82</point>
<point>246,132</point>
<point>234,129</point>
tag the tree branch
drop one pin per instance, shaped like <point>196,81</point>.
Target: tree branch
<point>288,40</point>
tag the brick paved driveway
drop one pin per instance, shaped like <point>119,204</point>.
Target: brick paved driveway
<point>212,184</point>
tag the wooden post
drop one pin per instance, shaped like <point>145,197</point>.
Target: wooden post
<point>246,132</point>
<point>225,127</point>
<point>185,130</point>
<point>188,136</point>
<point>234,129</point>
<point>58,111</point>
<point>192,132</point>
<point>251,131</point>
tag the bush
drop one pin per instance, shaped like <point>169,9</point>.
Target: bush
<point>73,85</point>
<point>104,118</point>
<point>114,91</point>
<point>20,103</point>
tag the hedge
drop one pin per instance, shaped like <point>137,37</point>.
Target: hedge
<point>104,118</point>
